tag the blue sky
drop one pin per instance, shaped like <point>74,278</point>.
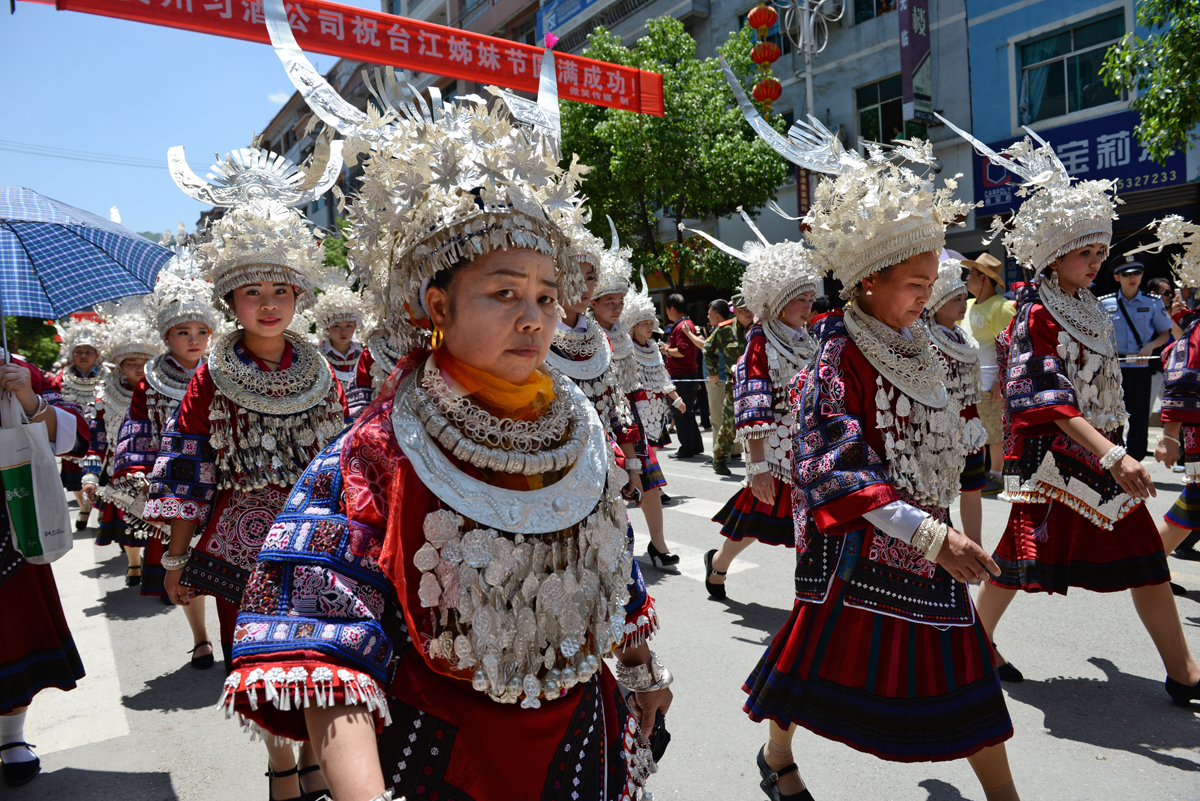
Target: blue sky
<point>78,82</point>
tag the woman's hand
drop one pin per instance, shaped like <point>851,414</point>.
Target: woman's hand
<point>1167,452</point>
<point>646,705</point>
<point>995,392</point>
<point>16,379</point>
<point>1134,478</point>
<point>964,559</point>
<point>89,492</point>
<point>763,487</point>
<point>178,593</point>
<point>635,484</point>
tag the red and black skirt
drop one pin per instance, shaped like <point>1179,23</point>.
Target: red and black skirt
<point>903,691</point>
<point>36,648</point>
<point>1048,547</point>
<point>1185,513</point>
<point>746,516</point>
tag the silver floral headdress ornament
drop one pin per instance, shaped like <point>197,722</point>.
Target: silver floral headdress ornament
<point>260,237</point>
<point>869,213</point>
<point>949,283</point>
<point>76,332</point>
<point>638,306</point>
<point>442,182</point>
<point>338,303</point>
<point>1174,230</point>
<point>1058,215</point>
<point>613,276</point>
<point>128,330</point>
<point>775,273</point>
<point>181,294</point>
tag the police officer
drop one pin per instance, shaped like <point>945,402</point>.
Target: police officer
<point>1142,324</point>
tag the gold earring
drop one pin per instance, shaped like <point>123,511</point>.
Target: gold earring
<point>436,340</point>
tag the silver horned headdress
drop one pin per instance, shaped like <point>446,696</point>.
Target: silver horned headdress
<point>261,237</point>
<point>1174,230</point>
<point>775,273</point>
<point>613,276</point>
<point>444,182</point>
<point>870,213</point>
<point>1058,214</point>
<point>638,306</point>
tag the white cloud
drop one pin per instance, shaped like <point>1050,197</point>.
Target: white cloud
<point>279,97</point>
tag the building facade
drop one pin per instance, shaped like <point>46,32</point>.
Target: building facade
<point>1037,65</point>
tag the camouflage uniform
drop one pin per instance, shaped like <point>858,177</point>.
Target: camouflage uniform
<point>727,340</point>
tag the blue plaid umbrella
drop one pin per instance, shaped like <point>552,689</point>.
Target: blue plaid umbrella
<point>56,259</point>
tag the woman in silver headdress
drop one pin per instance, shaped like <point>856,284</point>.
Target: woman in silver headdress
<point>1079,517</point>
<point>883,651</point>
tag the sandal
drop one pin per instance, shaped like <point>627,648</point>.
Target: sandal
<point>770,781</point>
<point>205,661</point>
<point>132,580</point>
<point>18,773</point>
<point>280,774</point>
<point>311,795</point>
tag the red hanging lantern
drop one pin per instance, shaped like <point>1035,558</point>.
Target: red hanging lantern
<point>761,18</point>
<point>767,91</point>
<point>764,54</point>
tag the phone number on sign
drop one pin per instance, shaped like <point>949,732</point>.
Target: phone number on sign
<point>1150,179</point>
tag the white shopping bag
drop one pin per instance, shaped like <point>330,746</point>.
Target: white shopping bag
<point>37,507</point>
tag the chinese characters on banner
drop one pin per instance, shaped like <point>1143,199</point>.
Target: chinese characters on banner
<point>1103,148</point>
<point>916,61</point>
<point>377,38</point>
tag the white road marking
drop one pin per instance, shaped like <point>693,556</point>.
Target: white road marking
<point>92,712</point>
<point>691,559</point>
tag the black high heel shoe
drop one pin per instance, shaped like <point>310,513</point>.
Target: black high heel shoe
<point>281,774</point>
<point>715,591</point>
<point>656,556</point>
<point>130,579</point>
<point>18,773</point>
<point>770,781</point>
<point>205,661</point>
<point>1182,694</point>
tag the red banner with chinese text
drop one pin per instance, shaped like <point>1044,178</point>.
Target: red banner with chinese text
<point>348,32</point>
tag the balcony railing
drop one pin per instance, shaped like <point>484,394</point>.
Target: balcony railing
<point>472,12</point>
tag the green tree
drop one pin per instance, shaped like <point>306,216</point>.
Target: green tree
<point>1164,68</point>
<point>33,339</point>
<point>335,246</point>
<point>700,161</point>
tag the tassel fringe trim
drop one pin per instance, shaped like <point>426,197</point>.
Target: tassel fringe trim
<point>296,688</point>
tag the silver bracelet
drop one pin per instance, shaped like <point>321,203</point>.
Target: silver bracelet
<point>645,678</point>
<point>757,469</point>
<point>1169,438</point>
<point>929,538</point>
<point>678,404</point>
<point>172,562</point>
<point>1115,454</point>
<point>633,464</point>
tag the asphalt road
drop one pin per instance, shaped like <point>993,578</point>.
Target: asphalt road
<point>1092,719</point>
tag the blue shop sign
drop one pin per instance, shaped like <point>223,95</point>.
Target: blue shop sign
<point>556,13</point>
<point>1102,148</point>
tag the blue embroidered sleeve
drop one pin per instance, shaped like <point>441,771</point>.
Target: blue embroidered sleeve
<point>184,482</point>
<point>137,447</point>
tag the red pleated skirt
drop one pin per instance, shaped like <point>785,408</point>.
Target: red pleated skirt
<point>903,691</point>
<point>1048,547</point>
<point>744,515</point>
<point>36,648</point>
